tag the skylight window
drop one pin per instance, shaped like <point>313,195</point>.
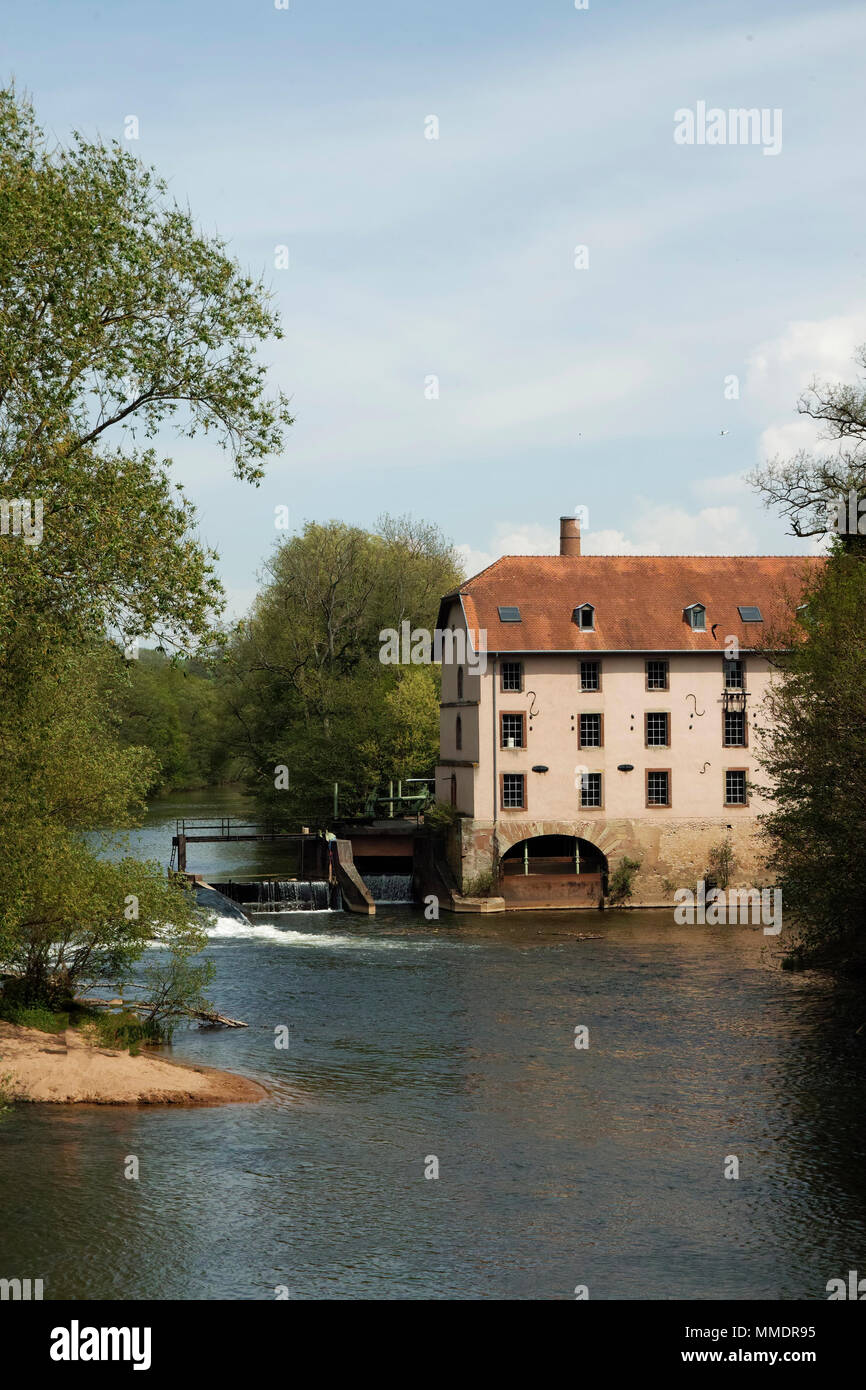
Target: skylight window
<point>509,614</point>
<point>750,614</point>
<point>584,616</point>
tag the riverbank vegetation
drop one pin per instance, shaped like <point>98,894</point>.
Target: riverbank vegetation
<point>117,317</point>
<point>174,706</point>
<point>814,749</point>
<point>298,685</point>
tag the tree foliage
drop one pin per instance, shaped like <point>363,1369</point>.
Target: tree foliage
<point>174,708</point>
<point>813,748</point>
<point>117,317</point>
<point>814,757</point>
<point>304,684</point>
<point>70,915</point>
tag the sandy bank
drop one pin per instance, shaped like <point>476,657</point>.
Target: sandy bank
<point>63,1068</point>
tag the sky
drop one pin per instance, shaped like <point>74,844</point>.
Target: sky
<point>554,304</point>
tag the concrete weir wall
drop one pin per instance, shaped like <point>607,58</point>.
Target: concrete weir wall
<point>673,853</point>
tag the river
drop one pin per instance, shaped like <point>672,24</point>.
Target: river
<point>412,1040</point>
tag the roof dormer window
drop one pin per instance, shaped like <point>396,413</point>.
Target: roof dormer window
<point>584,616</point>
<point>696,617</point>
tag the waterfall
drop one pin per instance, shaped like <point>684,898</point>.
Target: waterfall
<point>291,895</point>
<point>389,888</point>
<point>282,894</point>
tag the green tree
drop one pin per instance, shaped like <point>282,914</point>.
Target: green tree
<point>117,317</point>
<point>814,759</point>
<point>174,708</point>
<point>813,748</point>
<point>69,915</point>
<point>303,679</point>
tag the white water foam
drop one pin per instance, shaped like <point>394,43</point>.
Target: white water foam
<point>230,929</point>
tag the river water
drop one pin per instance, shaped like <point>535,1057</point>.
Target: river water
<point>411,1041</point>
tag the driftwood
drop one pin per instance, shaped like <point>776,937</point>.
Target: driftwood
<point>215,1020</point>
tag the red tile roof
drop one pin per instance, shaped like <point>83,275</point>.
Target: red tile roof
<point>638,600</point>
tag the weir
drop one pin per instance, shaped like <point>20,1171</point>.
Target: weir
<point>281,894</point>
<point>366,861</point>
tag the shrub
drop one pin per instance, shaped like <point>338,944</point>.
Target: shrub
<point>620,885</point>
<point>442,816</point>
<point>483,885</point>
<point>721,864</point>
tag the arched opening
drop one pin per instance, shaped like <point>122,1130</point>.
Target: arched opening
<point>458,734</point>
<point>554,870</point>
<point>459,682</point>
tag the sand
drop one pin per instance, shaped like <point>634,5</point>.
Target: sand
<point>66,1069</point>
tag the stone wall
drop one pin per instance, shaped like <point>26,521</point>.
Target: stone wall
<point>673,853</point>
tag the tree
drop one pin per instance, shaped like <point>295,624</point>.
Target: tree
<point>808,487</point>
<point>814,755</point>
<point>173,707</point>
<point>303,679</point>
<point>69,915</point>
<point>813,749</point>
<point>117,317</point>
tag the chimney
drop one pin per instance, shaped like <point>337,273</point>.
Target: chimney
<point>569,535</point>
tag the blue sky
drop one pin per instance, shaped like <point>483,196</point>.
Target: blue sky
<point>601,387</point>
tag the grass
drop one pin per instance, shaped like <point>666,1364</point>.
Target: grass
<point>34,1016</point>
<point>118,1030</point>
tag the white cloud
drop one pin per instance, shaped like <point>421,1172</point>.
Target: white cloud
<point>669,530</point>
<point>781,369</point>
<point>511,538</point>
<point>659,529</point>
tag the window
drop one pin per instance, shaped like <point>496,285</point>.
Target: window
<point>750,614</point>
<point>590,675</point>
<point>590,731</point>
<point>512,728</point>
<point>509,614</point>
<point>657,729</point>
<point>512,675</point>
<point>459,682</point>
<point>735,787</point>
<point>735,674</point>
<point>735,728</point>
<point>656,675</point>
<point>513,791</point>
<point>696,617</point>
<point>658,788</point>
<point>584,616</point>
<point>590,789</point>
<point>458,733</point>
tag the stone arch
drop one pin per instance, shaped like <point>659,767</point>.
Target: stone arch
<point>554,853</point>
<point>609,837</point>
